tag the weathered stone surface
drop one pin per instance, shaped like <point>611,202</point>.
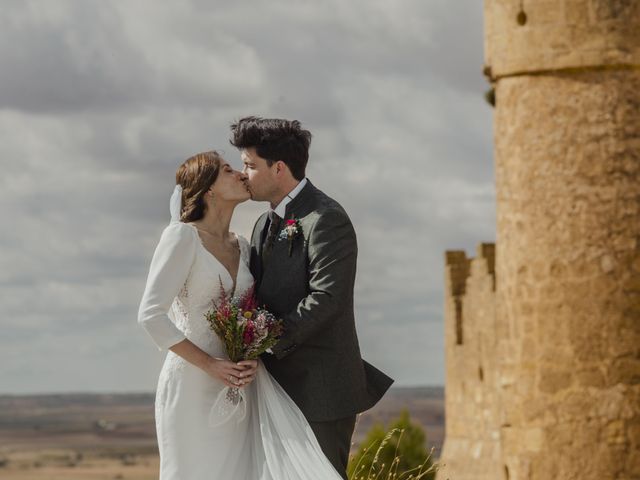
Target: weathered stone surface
<point>560,34</point>
<point>568,189</point>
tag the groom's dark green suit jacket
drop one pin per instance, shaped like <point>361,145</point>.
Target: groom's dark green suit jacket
<point>317,361</point>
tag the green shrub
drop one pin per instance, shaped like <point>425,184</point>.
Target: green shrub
<point>394,453</point>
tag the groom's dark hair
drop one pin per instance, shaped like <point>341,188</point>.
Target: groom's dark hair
<point>274,139</point>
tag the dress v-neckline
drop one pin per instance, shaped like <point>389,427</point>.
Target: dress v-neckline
<point>234,280</point>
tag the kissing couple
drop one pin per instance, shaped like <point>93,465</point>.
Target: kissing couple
<point>303,395</point>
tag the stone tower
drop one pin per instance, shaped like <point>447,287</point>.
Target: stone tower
<point>543,339</point>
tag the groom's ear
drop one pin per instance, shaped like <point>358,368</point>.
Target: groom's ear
<point>281,167</point>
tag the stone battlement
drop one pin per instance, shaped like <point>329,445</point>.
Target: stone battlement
<point>471,399</point>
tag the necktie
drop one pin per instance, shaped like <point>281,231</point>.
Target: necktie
<point>274,227</point>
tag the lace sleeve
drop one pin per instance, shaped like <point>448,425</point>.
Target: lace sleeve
<point>168,272</point>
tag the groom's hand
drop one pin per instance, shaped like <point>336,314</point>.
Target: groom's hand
<point>248,375</point>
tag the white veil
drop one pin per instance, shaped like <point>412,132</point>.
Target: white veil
<point>175,204</point>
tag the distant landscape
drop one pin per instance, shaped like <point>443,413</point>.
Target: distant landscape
<point>112,436</point>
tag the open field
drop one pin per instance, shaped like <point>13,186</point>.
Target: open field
<point>105,436</point>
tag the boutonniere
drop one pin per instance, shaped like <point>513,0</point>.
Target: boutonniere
<point>291,230</point>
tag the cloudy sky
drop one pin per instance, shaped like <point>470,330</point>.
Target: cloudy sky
<point>101,101</point>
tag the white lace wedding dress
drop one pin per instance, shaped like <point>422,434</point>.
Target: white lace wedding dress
<point>269,439</point>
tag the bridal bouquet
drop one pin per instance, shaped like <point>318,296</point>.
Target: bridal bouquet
<point>246,331</point>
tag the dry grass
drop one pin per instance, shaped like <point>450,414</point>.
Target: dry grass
<point>376,469</point>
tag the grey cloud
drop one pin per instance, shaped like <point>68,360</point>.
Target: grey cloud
<point>84,56</point>
<point>66,60</point>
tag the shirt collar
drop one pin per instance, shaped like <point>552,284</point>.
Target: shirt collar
<point>281,209</point>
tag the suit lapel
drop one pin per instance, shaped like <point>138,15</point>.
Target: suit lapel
<point>262,222</point>
<point>257,241</point>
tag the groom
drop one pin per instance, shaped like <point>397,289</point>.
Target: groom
<point>303,258</point>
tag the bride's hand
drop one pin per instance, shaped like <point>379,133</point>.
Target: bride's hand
<point>250,367</point>
<point>226,371</point>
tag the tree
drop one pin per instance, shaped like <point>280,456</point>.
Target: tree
<point>400,449</point>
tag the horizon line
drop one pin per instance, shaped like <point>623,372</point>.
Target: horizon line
<point>151,392</point>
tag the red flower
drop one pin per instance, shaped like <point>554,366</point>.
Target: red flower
<point>249,333</point>
<point>248,301</point>
<point>290,222</point>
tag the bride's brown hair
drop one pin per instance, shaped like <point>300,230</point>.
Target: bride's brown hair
<point>195,176</point>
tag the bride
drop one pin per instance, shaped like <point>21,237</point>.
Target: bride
<point>265,438</point>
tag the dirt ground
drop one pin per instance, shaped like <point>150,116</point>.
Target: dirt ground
<point>65,464</point>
